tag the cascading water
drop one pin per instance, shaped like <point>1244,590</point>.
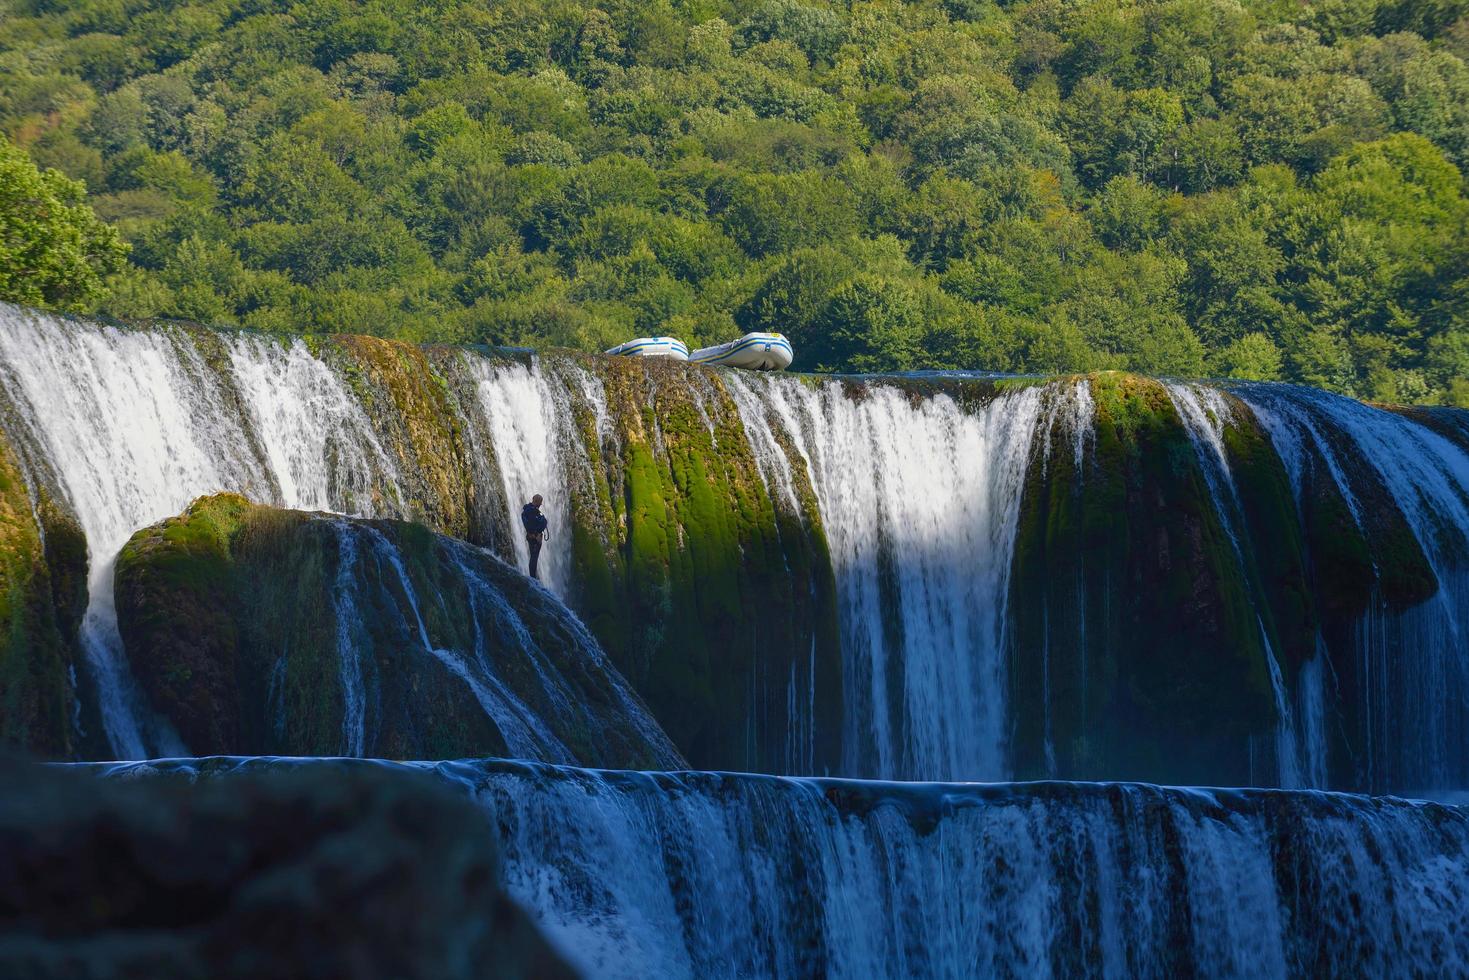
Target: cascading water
<point>1414,663</point>
<point>528,416</point>
<point>319,447</point>
<point>1071,414</point>
<point>919,502</point>
<point>717,875</point>
<point>1204,412</point>
<point>131,433</point>
<point>526,736</point>
<point>916,486</point>
<point>378,607</point>
<point>133,425</point>
<point>349,645</point>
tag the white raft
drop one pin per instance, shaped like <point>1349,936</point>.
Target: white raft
<point>753,351</point>
<point>652,347</point>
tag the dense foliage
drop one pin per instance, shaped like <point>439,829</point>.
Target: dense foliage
<point>54,251</point>
<point>1268,188</point>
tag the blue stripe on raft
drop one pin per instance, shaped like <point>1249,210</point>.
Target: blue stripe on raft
<point>675,346</point>
<point>748,344</point>
<point>716,358</point>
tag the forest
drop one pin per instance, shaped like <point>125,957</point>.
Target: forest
<point>1265,189</point>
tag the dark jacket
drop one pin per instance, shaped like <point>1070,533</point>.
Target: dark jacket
<point>533,519</point>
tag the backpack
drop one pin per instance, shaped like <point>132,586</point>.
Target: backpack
<point>533,519</point>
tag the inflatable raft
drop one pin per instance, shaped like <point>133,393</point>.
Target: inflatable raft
<point>652,347</point>
<point>753,351</point>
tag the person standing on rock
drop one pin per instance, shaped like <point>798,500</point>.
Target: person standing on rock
<point>535,531</point>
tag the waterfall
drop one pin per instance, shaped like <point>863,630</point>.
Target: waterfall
<point>1204,412</point>
<point>528,416</point>
<point>526,736</point>
<point>349,645</point>
<point>1413,663</point>
<point>484,642</point>
<point>916,485</point>
<point>319,447</point>
<point>717,875</point>
<point>132,435</point>
<point>1312,715</point>
<point>135,424</point>
<point>919,500</point>
<point>132,425</point>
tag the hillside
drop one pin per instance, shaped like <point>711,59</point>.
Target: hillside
<point>1261,189</point>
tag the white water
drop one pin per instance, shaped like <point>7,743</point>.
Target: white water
<point>922,497</point>
<point>132,434</point>
<point>528,417</point>
<point>134,425</point>
<point>319,445</point>
<point>708,875</point>
<point>917,497</point>
<point>526,736</point>
<point>372,575</point>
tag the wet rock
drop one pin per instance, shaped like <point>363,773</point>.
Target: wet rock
<point>264,631</point>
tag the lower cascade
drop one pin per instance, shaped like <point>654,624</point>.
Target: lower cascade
<point>703,874</point>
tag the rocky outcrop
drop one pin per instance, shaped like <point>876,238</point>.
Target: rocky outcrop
<point>1132,614</point>
<point>339,870</point>
<point>43,593</point>
<point>264,631</point>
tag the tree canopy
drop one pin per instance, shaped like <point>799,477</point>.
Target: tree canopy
<point>53,250</point>
<point>1256,188</point>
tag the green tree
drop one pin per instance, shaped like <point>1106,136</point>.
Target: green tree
<point>1253,357</point>
<point>870,324</point>
<point>54,251</point>
<point>1120,132</point>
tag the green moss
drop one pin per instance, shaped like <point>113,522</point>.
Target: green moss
<point>1359,557</point>
<point>410,404</point>
<point>1272,539</point>
<point>176,602</point>
<point>1128,554</point>
<point>676,545</point>
<point>39,613</point>
<point>230,616</point>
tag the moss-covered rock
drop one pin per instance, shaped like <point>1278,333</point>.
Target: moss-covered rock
<point>43,575</point>
<point>264,631</point>
<point>1271,540</point>
<point>409,404</point>
<point>718,604</point>
<point>1137,651</point>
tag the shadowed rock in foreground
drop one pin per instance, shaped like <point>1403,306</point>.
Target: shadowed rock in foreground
<point>328,872</point>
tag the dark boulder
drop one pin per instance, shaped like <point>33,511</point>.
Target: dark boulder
<point>343,870</point>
